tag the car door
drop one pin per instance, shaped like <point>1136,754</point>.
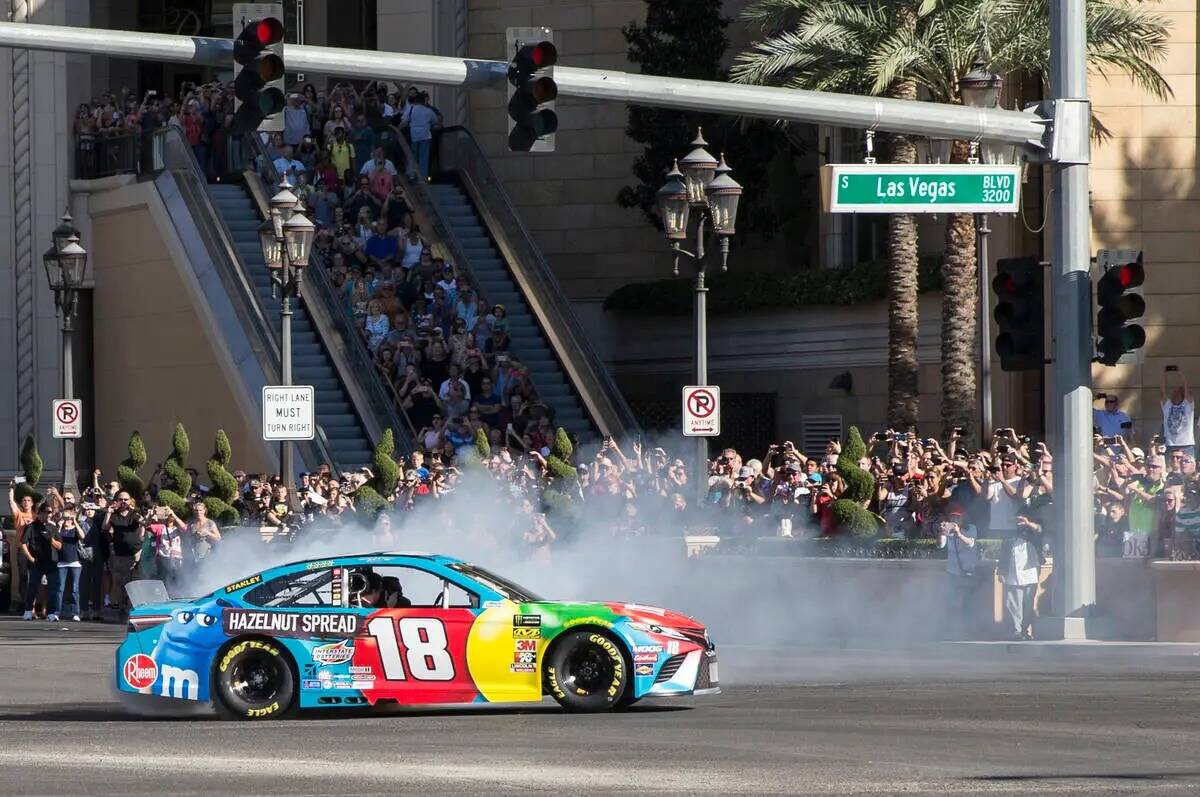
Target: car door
<point>415,653</point>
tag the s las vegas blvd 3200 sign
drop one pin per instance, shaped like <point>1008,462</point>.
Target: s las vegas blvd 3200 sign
<point>920,188</point>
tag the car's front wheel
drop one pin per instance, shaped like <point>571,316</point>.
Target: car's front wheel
<point>254,680</point>
<point>586,671</point>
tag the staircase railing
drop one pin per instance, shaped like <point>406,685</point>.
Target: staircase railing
<point>459,151</point>
<point>345,344</point>
<point>167,152</point>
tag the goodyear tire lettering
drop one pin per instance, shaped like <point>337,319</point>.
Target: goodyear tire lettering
<point>263,712</point>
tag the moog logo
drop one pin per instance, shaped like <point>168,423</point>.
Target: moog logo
<point>140,671</point>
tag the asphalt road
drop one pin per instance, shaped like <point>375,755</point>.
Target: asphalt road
<point>935,719</point>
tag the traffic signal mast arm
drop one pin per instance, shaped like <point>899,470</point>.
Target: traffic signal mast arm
<point>842,110</point>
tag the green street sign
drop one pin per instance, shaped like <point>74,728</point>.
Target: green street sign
<point>920,188</point>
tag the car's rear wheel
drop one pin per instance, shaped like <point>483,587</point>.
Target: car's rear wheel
<point>254,680</point>
<point>586,671</point>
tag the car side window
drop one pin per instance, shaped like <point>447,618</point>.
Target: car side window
<point>305,588</point>
<point>461,598</point>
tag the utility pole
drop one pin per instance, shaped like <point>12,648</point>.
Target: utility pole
<point>1074,591</point>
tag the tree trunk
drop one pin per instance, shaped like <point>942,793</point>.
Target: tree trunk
<point>960,302</point>
<point>903,399</point>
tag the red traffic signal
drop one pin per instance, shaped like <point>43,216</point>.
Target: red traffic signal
<point>258,35</point>
<point>1119,307</point>
<point>533,57</point>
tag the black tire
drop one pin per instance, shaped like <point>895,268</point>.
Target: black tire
<point>254,680</point>
<point>586,671</point>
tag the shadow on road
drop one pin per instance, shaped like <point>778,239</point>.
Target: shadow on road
<point>1090,776</point>
<point>112,712</point>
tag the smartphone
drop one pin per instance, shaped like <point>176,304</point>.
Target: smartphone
<point>1171,368</point>
<point>1109,440</point>
<point>901,435</point>
<point>18,480</point>
<point>1101,395</point>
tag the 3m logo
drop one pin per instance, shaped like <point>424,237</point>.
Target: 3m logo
<point>140,671</point>
<point>181,684</point>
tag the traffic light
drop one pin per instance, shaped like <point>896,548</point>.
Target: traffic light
<point>531,90</point>
<point>259,81</point>
<point>1119,295</point>
<point>1020,314</point>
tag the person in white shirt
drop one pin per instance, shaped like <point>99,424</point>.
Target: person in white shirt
<point>1005,491</point>
<point>1179,415</point>
<point>379,160</point>
<point>962,557</point>
<point>1111,421</point>
<point>1020,563</point>
<point>297,123</point>
<point>455,379</point>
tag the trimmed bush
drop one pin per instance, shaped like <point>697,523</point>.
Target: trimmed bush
<point>31,467</point>
<point>223,491</point>
<point>483,449</point>
<point>371,498</point>
<point>741,292</point>
<point>559,461</point>
<point>175,466</point>
<point>848,511</point>
<point>127,472</point>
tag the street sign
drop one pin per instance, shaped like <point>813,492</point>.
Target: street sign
<point>920,188</point>
<point>702,411</point>
<point>68,418</point>
<point>289,413</point>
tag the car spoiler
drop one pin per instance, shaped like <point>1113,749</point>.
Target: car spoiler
<point>146,591</point>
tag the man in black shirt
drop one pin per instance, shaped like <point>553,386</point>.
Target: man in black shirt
<point>125,528</point>
<point>38,546</point>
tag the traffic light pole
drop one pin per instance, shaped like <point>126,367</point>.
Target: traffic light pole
<point>985,330</point>
<point>1074,590</point>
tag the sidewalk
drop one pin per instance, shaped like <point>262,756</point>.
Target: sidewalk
<point>1076,648</point>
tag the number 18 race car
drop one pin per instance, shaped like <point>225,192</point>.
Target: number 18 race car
<point>402,628</point>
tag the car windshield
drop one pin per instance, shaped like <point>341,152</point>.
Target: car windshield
<point>508,589</point>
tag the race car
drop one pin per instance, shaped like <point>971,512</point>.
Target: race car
<point>396,628</point>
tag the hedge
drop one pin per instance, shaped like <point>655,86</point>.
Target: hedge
<point>739,291</point>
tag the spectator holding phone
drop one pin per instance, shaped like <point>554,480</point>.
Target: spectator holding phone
<point>1179,414</point>
<point>39,547</point>
<point>957,537</point>
<point>1111,421</point>
<point>126,529</point>
<point>70,536</point>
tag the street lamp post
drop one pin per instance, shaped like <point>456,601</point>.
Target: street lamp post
<point>980,88</point>
<point>66,264</point>
<point>286,241</point>
<point>700,181</point>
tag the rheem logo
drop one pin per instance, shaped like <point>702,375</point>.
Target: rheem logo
<point>140,671</point>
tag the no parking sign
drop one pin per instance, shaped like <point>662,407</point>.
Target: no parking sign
<point>702,411</point>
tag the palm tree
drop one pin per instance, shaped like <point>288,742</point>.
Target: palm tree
<point>907,48</point>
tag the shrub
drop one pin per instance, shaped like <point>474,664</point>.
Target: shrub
<point>127,472</point>
<point>371,497</point>
<point>175,466</point>
<point>31,466</point>
<point>559,461</point>
<point>223,491</point>
<point>742,292</point>
<point>848,511</point>
<point>483,449</point>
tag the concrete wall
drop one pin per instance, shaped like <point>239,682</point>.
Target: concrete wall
<point>157,361</point>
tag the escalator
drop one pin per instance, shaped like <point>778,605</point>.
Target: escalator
<point>492,277</point>
<point>470,212</point>
<point>347,435</point>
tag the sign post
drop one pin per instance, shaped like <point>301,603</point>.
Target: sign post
<point>702,411</point>
<point>289,413</point>
<point>920,188</point>
<point>68,419</point>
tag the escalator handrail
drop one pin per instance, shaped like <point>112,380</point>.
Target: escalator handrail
<point>385,403</point>
<point>526,255</point>
<point>188,175</point>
